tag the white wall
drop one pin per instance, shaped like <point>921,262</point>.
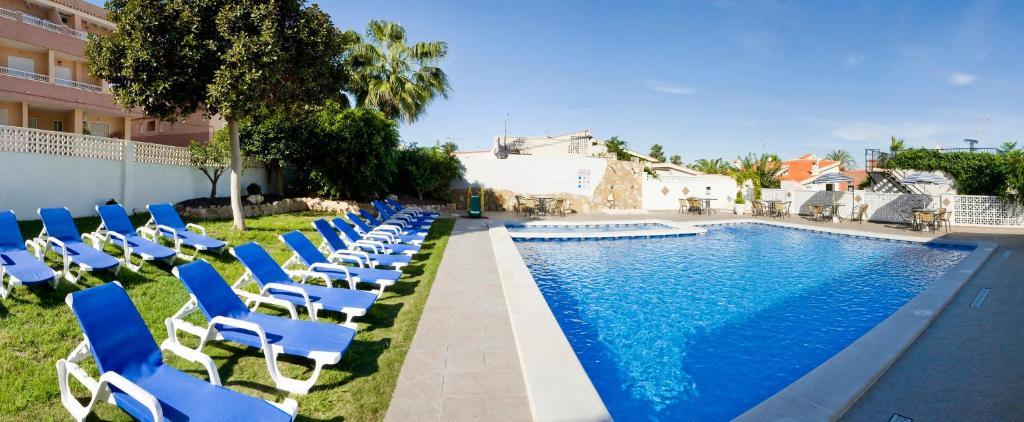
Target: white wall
<point>533,174</point>
<point>664,192</point>
<point>31,181</point>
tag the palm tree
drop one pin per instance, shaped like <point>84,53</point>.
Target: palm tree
<point>764,171</point>
<point>844,158</point>
<point>676,159</point>
<point>617,148</point>
<point>658,153</point>
<point>896,145</point>
<point>1007,147</point>
<point>392,76</point>
<point>712,166</point>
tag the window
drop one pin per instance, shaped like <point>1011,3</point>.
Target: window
<point>58,126</point>
<point>3,117</point>
<point>151,126</point>
<point>98,129</point>
<point>21,64</point>
<point>33,123</point>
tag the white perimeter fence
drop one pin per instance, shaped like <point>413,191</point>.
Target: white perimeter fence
<point>40,168</point>
<point>664,192</point>
<point>968,210</point>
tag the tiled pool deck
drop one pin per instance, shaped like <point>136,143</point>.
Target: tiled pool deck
<point>463,363</point>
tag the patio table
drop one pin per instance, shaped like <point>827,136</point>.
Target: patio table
<point>923,227</point>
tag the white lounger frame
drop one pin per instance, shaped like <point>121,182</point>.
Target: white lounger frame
<point>39,251</point>
<point>296,261</point>
<point>151,231</point>
<point>99,390</point>
<point>97,243</point>
<point>177,323</point>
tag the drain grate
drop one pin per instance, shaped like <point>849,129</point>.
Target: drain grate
<point>896,417</point>
<point>980,298</point>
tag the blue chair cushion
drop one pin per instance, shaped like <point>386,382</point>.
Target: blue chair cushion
<point>390,260</point>
<point>331,298</point>
<point>25,267</point>
<point>367,275</point>
<point>296,337</point>
<point>145,248</point>
<point>85,255</point>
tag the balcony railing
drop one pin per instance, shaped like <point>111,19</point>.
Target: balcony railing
<point>77,85</point>
<point>42,23</point>
<point>23,74</point>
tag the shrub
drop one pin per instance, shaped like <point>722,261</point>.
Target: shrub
<point>974,173</point>
<point>428,171</point>
<point>739,197</point>
<point>212,158</point>
<point>355,153</point>
<point>253,189</point>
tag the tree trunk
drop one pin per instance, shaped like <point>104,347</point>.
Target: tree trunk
<point>213,191</point>
<point>236,176</point>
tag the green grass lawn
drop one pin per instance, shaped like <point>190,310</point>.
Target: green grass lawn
<point>37,329</point>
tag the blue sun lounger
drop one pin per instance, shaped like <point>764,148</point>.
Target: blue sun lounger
<point>333,244</point>
<point>117,229</point>
<point>165,222</point>
<point>398,207</point>
<point>395,233</point>
<point>387,213</point>
<point>385,243</point>
<point>61,235</point>
<point>306,254</point>
<point>134,377</point>
<point>228,319</point>
<point>276,282</point>
<point>400,225</point>
<point>17,265</point>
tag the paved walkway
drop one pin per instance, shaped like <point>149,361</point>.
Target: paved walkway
<point>462,364</point>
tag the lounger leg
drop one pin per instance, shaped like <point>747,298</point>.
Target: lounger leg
<point>5,290</point>
<point>292,385</point>
<point>69,366</point>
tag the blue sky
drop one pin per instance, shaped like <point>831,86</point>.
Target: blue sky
<point>720,78</point>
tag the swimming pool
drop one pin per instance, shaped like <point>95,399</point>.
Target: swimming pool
<point>585,228</point>
<point>705,327</point>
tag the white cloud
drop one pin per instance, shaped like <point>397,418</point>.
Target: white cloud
<point>668,87</point>
<point>875,132</point>
<point>961,79</point>
<point>852,60</point>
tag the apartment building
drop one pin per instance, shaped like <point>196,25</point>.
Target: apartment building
<point>45,84</point>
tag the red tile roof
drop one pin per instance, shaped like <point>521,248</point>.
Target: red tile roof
<point>799,169</point>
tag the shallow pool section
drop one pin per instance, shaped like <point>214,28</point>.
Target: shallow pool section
<point>585,228</point>
<point>705,327</point>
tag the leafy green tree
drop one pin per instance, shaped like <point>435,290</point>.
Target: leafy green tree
<point>974,173</point>
<point>676,159</point>
<point>712,166</point>
<point>764,171</point>
<point>1013,168</point>
<point>1008,146</point>
<point>232,58</point>
<point>280,140</point>
<point>845,159</point>
<point>354,154</point>
<point>617,148</point>
<point>212,158</point>
<point>429,171</point>
<point>388,74</point>
<point>657,153</point>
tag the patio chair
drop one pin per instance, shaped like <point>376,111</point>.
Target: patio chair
<point>165,222</point>
<point>781,209</point>
<point>382,243</point>
<point>683,205</point>
<point>276,282</point>
<point>695,205</point>
<point>306,254</point>
<point>133,375</point>
<point>17,265</point>
<point>414,210</point>
<point>333,244</point>
<point>558,207</point>
<point>230,320</point>
<point>117,229</point>
<point>817,212</point>
<point>925,219</point>
<point>396,233</point>
<point>758,208</point>
<point>860,213</point>
<point>61,235</point>
<point>529,206</point>
<point>943,218</point>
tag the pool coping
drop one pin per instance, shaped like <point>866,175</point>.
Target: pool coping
<point>559,388</point>
<point>675,229</point>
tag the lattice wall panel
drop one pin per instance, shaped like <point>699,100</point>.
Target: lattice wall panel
<point>16,139</point>
<point>986,211</point>
<point>161,154</point>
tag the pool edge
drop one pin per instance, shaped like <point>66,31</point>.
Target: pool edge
<point>557,386</point>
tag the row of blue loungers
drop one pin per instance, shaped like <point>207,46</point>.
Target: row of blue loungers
<point>133,375</point>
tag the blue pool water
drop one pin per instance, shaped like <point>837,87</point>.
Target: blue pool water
<point>706,327</point>
<point>575,228</point>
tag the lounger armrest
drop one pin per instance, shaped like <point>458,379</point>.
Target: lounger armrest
<point>269,300</point>
<point>194,356</point>
<point>361,258</point>
<point>352,280</point>
<point>130,388</point>
<point>55,241</point>
<point>38,249</point>
<point>341,258</point>
<point>305,275</point>
<point>96,240</point>
<point>160,228</point>
<point>147,233</point>
<point>388,228</point>
<point>360,245</point>
<point>243,325</point>
<point>383,237</point>
<point>201,229</point>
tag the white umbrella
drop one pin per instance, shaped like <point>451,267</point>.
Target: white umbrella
<point>832,178</point>
<point>925,179</point>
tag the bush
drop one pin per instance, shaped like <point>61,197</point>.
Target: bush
<point>739,197</point>
<point>975,173</point>
<point>253,189</point>
<point>355,153</point>
<point>427,172</point>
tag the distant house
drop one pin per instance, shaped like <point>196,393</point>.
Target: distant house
<point>800,172</point>
<point>662,168</point>
<point>581,143</point>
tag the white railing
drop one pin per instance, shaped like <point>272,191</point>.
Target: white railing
<point>50,26</point>
<point>77,85</point>
<point>23,74</point>
<point>967,210</point>
<point>8,13</point>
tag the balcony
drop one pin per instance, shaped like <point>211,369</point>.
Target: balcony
<point>23,74</point>
<point>77,85</point>
<point>44,24</point>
